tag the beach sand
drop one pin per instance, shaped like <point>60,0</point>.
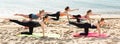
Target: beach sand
<point>9,30</point>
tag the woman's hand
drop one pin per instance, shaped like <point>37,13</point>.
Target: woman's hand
<point>98,28</point>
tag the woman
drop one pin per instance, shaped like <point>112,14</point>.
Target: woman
<point>86,26</point>
<point>39,15</point>
<point>64,13</point>
<point>32,16</point>
<point>85,18</point>
<point>30,24</point>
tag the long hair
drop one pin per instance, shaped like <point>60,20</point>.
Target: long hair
<point>67,8</point>
<point>89,11</point>
<point>102,19</point>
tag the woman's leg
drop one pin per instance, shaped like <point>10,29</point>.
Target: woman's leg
<point>19,22</point>
<point>26,16</point>
<point>30,31</point>
<point>77,17</point>
<point>73,23</point>
<point>93,27</point>
<point>57,15</point>
<point>27,23</point>
<point>86,27</point>
<point>76,24</point>
<point>86,30</point>
<point>53,15</point>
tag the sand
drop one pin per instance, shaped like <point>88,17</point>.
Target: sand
<point>9,30</point>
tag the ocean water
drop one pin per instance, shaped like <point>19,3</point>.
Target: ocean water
<point>11,7</point>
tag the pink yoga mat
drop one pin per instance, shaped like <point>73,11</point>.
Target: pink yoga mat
<point>91,34</point>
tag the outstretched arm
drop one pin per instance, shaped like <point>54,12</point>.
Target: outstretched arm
<point>95,14</point>
<point>43,26</point>
<point>48,12</point>
<point>98,28</point>
<point>73,10</point>
<point>23,15</point>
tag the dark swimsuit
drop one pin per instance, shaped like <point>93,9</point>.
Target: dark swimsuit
<point>33,16</point>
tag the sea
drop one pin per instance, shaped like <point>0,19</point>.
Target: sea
<point>104,7</point>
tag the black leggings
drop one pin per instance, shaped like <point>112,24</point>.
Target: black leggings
<point>57,15</point>
<point>77,17</point>
<point>86,27</point>
<point>30,24</point>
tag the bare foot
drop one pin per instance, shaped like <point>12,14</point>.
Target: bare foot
<point>44,37</point>
<point>6,20</point>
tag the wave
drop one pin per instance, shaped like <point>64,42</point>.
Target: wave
<point>33,6</point>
